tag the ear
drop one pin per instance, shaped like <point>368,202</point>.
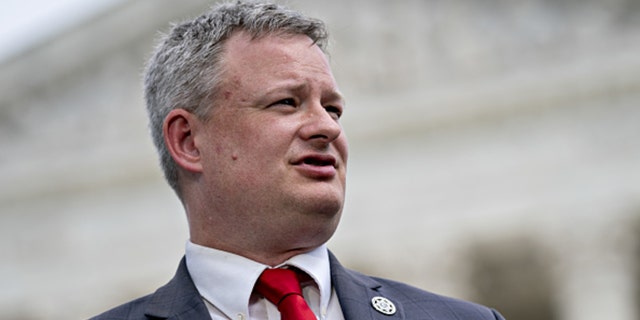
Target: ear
<point>179,130</point>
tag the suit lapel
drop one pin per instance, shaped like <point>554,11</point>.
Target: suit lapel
<point>355,292</point>
<point>178,299</point>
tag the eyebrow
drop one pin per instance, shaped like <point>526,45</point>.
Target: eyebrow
<point>296,86</point>
<point>337,96</point>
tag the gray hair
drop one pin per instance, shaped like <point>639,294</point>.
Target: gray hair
<point>185,70</point>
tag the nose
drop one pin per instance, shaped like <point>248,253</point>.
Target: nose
<point>320,125</point>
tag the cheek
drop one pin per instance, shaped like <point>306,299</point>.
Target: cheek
<point>266,137</point>
<point>239,141</point>
<point>343,147</point>
<point>254,142</point>
<point>257,150</point>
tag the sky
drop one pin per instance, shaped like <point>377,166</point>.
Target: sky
<point>26,22</point>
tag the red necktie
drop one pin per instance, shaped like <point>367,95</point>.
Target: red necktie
<point>281,287</point>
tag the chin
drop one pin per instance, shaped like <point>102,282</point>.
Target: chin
<point>324,200</point>
<point>323,206</point>
<point>318,232</point>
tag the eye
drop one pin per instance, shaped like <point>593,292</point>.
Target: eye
<point>286,102</point>
<point>336,112</point>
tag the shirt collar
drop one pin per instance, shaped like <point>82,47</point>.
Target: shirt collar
<point>226,280</point>
<point>316,264</point>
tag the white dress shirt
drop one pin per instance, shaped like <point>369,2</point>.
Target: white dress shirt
<point>226,280</point>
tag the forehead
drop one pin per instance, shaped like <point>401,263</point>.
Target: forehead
<point>255,70</point>
<point>272,53</point>
<point>244,40</point>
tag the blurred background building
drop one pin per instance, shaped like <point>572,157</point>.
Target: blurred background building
<point>495,154</point>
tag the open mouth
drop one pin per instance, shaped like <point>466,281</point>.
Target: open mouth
<point>317,166</point>
<point>319,160</point>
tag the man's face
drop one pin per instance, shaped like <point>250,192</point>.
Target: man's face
<point>274,153</point>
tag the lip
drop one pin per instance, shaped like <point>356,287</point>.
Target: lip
<point>316,166</point>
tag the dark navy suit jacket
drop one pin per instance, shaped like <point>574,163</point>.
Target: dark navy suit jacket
<point>179,299</point>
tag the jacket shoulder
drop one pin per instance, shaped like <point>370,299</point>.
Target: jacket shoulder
<point>416,301</point>
<point>356,292</point>
<point>177,299</point>
<point>132,310</point>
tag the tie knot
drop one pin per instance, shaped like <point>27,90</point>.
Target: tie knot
<point>282,288</point>
<point>276,284</point>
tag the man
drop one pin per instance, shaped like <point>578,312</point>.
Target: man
<point>245,114</point>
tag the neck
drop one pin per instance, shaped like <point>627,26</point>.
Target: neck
<point>271,257</point>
